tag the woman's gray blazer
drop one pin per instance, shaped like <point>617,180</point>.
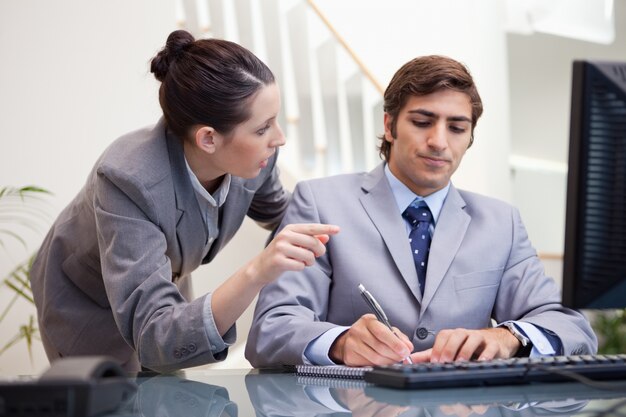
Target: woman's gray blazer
<point>112,276</point>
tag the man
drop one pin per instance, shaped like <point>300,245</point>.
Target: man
<point>479,267</point>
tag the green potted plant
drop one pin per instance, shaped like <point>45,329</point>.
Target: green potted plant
<point>610,326</point>
<point>21,212</point>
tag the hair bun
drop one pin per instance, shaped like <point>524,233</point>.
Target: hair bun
<point>175,45</point>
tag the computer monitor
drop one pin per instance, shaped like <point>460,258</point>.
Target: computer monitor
<point>594,258</point>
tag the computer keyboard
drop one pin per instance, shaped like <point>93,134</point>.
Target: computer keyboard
<point>499,371</point>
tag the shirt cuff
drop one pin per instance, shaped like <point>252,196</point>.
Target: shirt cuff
<point>217,343</point>
<point>316,352</point>
<point>543,343</point>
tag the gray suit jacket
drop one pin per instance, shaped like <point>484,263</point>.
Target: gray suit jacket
<point>481,266</point>
<point>113,274</point>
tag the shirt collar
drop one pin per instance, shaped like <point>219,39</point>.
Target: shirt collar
<point>404,196</point>
<point>216,199</point>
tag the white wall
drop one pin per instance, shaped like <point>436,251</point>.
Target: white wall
<point>73,76</point>
<point>541,76</point>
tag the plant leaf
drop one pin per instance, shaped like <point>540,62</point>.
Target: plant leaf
<point>20,209</point>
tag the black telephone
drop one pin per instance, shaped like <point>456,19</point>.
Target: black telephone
<point>82,386</point>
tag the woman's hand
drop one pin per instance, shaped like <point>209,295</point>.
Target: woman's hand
<point>293,249</point>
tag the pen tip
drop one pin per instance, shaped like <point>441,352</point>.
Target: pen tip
<point>361,287</point>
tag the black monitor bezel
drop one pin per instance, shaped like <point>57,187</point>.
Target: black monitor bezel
<point>573,290</point>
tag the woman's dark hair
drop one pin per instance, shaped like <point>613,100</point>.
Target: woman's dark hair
<point>207,81</point>
<point>426,75</point>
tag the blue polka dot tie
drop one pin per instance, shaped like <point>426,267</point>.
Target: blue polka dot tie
<point>419,217</point>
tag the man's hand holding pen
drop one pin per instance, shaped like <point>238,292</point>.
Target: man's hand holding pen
<point>370,342</point>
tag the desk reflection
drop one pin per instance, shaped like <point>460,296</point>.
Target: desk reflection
<point>173,396</point>
<point>272,394</point>
<point>501,401</point>
<point>289,395</point>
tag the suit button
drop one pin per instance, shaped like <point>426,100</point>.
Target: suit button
<point>421,333</point>
<point>192,347</point>
<point>177,354</point>
<point>184,352</point>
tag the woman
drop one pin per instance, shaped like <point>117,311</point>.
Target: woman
<point>113,274</point>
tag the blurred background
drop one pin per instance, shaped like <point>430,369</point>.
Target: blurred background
<point>74,76</point>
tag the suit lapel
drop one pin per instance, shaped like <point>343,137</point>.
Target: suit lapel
<point>378,202</point>
<point>449,233</point>
<point>190,228</point>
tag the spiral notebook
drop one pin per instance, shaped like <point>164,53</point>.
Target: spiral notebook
<point>333,371</point>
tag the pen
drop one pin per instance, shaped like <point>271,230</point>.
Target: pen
<point>378,311</point>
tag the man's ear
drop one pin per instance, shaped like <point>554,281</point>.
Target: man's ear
<point>206,138</point>
<point>388,123</point>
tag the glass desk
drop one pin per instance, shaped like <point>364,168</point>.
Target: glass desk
<point>229,393</point>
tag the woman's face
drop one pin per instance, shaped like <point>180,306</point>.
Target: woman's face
<point>248,147</point>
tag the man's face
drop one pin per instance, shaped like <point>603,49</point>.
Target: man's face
<point>432,134</point>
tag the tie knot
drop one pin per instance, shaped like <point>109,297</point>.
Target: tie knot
<point>421,213</point>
